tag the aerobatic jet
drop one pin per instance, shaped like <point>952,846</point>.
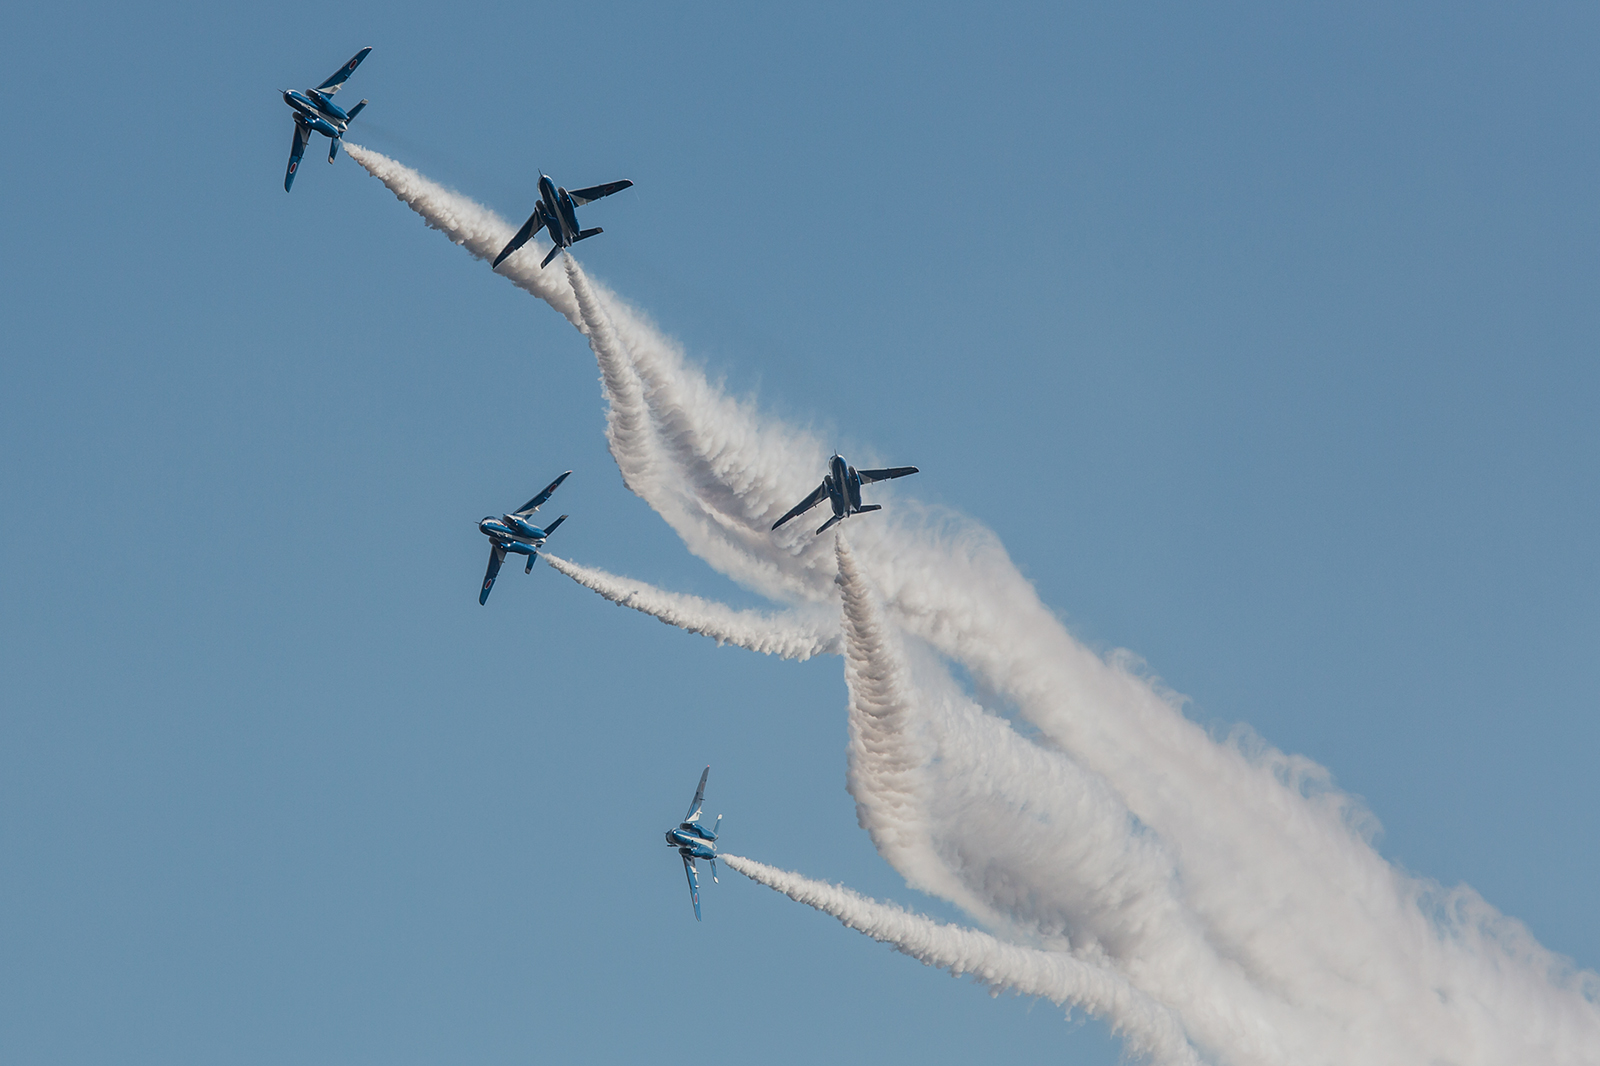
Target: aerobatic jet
<point>695,841</point>
<point>556,212</point>
<point>842,487</point>
<point>515,534</point>
<point>315,112</point>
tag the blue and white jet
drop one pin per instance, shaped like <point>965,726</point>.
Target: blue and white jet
<point>556,211</point>
<point>515,534</point>
<point>315,112</point>
<point>842,487</point>
<point>695,841</point>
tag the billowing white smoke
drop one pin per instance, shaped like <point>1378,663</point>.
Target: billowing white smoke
<point>1148,1028</point>
<point>471,225</point>
<point>1228,881</point>
<point>799,633</point>
<point>890,748</point>
<point>628,429</point>
<point>1021,838</point>
<point>730,477</point>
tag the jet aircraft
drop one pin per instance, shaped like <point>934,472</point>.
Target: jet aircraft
<point>556,212</point>
<point>695,841</point>
<point>514,533</point>
<point>842,487</point>
<point>315,112</point>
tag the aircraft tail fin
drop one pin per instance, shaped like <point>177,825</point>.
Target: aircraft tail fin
<point>585,234</point>
<point>551,528</point>
<point>354,111</point>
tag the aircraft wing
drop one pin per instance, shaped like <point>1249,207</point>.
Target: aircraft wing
<point>497,555</point>
<point>694,884</point>
<point>699,797</point>
<point>533,504</point>
<point>595,192</point>
<point>302,134</point>
<point>534,224</point>
<point>337,78</point>
<point>804,505</point>
<point>869,476</point>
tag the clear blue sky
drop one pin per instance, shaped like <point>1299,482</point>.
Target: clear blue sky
<point>1264,338</point>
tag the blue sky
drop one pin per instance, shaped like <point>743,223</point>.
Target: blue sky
<point>1264,339</point>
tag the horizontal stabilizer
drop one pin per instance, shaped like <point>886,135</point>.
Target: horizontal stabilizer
<point>585,234</point>
<point>824,527</point>
<point>531,557</point>
<point>354,111</point>
<point>553,253</point>
<point>869,507</point>
<point>551,528</point>
<point>595,192</point>
<point>333,148</point>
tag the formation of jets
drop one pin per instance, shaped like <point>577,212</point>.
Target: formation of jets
<point>514,533</point>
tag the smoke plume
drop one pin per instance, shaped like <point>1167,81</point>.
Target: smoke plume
<point>1223,885</point>
<point>1148,1028</point>
<point>796,634</point>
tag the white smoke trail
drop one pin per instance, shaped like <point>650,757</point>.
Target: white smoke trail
<point>628,429</point>
<point>1252,827</point>
<point>890,749</point>
<point>884,754</point>
<point>1148,1028</point>
<point>733,471</point>
<point>1018,837</point>
<point>1271,863</point>
<point>472,226</point>
<point>796,634</point>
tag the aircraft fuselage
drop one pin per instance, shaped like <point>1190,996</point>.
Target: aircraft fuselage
<point>844,487</point>
<point>560,214</point>
<point>318,112</point>
<point>512,533</point>
<point>692,840</point>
